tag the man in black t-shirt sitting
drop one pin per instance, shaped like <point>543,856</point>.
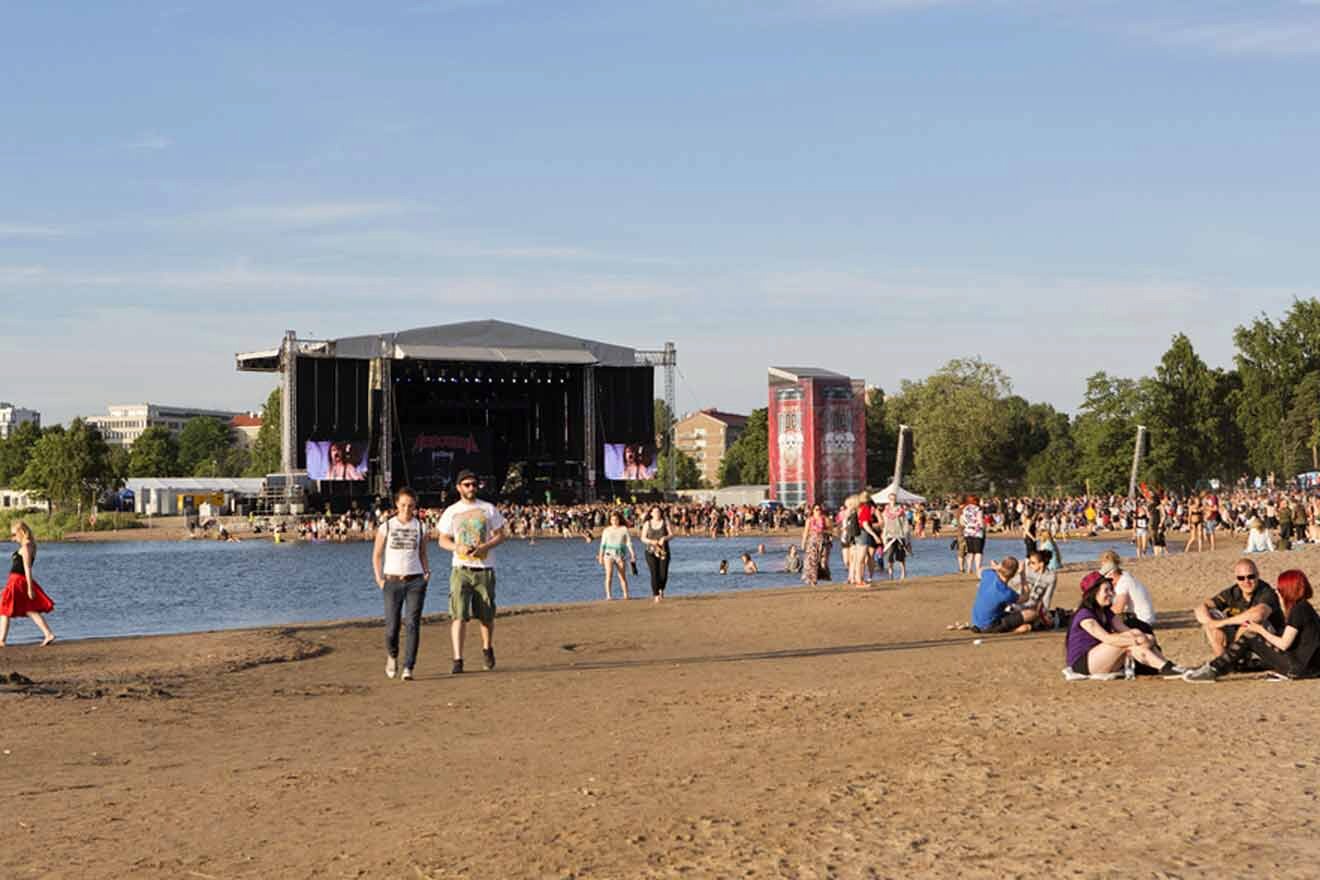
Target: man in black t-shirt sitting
<point>1248,600</point>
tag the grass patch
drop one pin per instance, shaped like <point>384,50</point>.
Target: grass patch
<point>54,526</point>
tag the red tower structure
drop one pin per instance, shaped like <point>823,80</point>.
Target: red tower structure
<point>817,425</point>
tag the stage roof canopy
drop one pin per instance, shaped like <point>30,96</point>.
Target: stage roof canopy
<point>474,341</point>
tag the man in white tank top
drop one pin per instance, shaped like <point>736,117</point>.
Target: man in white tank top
<point>402,573</point>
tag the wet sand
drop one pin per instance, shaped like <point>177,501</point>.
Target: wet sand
<point>801,733</point>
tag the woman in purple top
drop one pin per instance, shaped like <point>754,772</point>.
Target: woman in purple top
<point>1098,641</point>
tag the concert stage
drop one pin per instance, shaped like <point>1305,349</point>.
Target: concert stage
<point>531,411</point>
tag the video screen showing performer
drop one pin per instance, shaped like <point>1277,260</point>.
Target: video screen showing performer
<point>629,461</point>
<point>336,460</point>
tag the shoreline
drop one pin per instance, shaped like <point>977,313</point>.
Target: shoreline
<point>732,734</point>
<point>763,732</point>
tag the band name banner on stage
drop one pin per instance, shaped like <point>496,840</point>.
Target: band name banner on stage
<point>436,456</point>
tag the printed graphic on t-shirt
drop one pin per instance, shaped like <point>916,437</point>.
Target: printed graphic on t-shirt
<point>470,529</point>
<point>972,523</point>
<point>403,538</point>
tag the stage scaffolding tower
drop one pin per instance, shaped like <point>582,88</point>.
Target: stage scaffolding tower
<point>667,358</point>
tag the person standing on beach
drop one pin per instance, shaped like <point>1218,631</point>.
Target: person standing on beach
<point>615,553</point>
<point>972,521</point>
<point>402,574</point>
<point>655,537</point>
<point>23,596</point>
<point>470,529</point>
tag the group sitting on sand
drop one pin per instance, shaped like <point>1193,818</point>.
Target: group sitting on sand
<point>1249,626</point>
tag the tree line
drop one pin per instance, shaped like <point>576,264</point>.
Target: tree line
<point>972,433</point>
<point>74,466</point>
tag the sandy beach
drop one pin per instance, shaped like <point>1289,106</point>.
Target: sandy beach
<point>799,733</point>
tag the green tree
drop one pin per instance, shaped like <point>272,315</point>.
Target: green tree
<point>1105,430</point>
<point>1183,416</point>
<point>688,474</point>
<point>664,422</point>
<point>1299,447</point>
<point>155,453</point>
<point>1054,469</point>
<point>265,456</point>
<point>881,440</point>
<point>1271,361</point>
<point>747,461</point>
<point>16,451</point>
<point>960,425</point>
<point>70,467</point>
<point>203,443</point>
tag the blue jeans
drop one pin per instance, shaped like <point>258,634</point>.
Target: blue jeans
<point>403,601</point>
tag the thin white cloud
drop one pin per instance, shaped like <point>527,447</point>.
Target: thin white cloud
<point>1268,38</point>
<point>307,213</point>
<point>151,142</point>
<point>25,231</point>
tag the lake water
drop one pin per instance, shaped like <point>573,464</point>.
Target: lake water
<point>140,588</point>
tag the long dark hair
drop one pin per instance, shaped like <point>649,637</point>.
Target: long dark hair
<point>1091,602</point>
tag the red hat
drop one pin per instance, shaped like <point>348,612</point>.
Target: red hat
<point>1091,580</point>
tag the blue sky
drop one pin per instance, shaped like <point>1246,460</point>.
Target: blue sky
<point>871,186</point>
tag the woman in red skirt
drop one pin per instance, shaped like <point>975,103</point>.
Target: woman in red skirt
<point>22,596</point>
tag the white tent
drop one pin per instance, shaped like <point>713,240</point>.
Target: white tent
<point>904,496</point>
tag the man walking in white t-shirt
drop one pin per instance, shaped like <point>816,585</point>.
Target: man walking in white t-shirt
<point>402,573</point>
<point>470,529</point>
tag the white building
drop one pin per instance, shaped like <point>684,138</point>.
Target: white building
<point>126,422</point>
<point>17,499</point>
<point>12,416</point>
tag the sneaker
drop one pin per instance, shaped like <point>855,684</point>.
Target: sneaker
<point>1173,670</point>
<point>487,658</point>
<point>1201,674</point>
<point>456,668</point>
<point>389,667</point>
<point>407,674</point>
<point>1070,674</point>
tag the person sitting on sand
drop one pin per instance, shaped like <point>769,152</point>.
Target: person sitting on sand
<point>993,611</point>
<point>1294,653</point>
<point>1132,600</point>
<point>1258,537</point>
<point>1099,643</point>
<point>1249,600</point>
<point>1038,584</point>
<point>749,565</point>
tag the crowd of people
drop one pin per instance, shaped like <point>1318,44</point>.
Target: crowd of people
<point>1110,632</point>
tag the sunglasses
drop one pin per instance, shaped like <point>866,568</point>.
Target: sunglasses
<point>1247,577</point>
<point>467,483</point>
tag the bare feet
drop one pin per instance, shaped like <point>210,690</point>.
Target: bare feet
<point>1024,628</point>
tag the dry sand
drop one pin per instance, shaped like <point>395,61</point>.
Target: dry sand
<point>785,733</point>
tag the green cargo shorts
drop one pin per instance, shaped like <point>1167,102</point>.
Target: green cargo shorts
<point>472,594</point>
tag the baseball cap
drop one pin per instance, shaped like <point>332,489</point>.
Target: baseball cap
<point>1091,580</point>
<point>465,474</point>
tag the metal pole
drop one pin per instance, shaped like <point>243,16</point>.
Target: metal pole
<point>589,431</point>
<point>671,360</point>
<point>1136,461</point>
<point>289,413</point>
<point>901,455</point>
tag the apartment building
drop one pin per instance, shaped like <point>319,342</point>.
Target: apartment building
<point>124,423</point>
<point>705,435</point>
<point>12,416</point>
